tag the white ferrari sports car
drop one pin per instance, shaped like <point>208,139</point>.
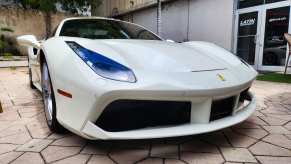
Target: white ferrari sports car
<point>109,79</point>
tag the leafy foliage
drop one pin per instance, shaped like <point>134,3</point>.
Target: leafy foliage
<point>8,55</point>
<point>72,6</point>
<point>49,6</point>
<point>6,29</point>
<point>2,44</point>
<point>3,41</point>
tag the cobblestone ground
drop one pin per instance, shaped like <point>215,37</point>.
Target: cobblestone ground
<point>25,138</point>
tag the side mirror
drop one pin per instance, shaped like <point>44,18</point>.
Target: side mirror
<point>28,40</point>
<point>169,40</point>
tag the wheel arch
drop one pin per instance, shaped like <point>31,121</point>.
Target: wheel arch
<point>41,57</point>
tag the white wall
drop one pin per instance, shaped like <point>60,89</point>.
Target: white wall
<point>212,20</point>
<point>146,18</point>
<point>209,20</point>
<point>175,20</point>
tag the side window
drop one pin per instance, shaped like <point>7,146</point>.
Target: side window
<point>146,35</point>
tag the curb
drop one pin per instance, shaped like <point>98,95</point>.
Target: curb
<point>7,64</point>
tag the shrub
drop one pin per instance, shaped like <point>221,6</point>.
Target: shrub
<point>7,55</point>
<point>6,29</point>
<point>7,45</point>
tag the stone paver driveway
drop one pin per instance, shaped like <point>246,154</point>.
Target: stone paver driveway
<point>25,137</point>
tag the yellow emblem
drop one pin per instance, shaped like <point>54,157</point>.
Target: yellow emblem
<point>221,77</point>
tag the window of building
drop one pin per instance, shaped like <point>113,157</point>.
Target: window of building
<point>273,1</point>
<point>251,3</point>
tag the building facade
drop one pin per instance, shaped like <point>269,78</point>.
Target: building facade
<point>252,29</point>
<point>259,29</point>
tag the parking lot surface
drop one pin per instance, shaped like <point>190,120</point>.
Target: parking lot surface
<point>25,138</point>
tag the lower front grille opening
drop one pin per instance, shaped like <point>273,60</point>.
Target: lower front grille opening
<point>244,99</point>
<point>244,96</point>
<point>222,108</point>
<point>124,115</point>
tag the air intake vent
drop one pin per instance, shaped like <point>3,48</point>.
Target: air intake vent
<point>222,108</point>
<point>123,115</point>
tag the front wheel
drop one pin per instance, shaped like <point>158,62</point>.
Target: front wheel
<point>49,101</point>
<point>30,79</point>
<point>30,76</point>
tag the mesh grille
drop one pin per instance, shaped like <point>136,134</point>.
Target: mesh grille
<point>123,115</point>
<point>222,108</point>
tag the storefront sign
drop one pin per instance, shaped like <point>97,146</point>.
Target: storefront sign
<point>248,22</point>
<point>277,19</point>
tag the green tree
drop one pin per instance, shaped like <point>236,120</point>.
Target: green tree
<point>50,6</point>
<point>74,6</point>
<point>94,6</point>
<point>3,42</point>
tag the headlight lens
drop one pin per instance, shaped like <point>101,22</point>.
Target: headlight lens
<point>102,65</point>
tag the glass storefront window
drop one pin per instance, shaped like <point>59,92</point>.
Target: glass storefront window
<point>251,3</point>
<point>246,46</point>
<point>273,1</point>
<point>277,23</point>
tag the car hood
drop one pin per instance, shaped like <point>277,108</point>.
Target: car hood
<point>155,55</point>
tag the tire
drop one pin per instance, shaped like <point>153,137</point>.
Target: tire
<point>30,76</point>
<point>30,79</point>
<point>49,101</point>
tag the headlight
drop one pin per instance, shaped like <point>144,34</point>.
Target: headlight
<point>102,65</point>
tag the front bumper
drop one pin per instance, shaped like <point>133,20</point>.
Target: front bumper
<point>197,125</point>
<point>90,100</point>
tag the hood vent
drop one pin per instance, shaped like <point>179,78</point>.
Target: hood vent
<point>208,70</point>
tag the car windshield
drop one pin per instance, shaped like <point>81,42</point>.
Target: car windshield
<point>105,29</point>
